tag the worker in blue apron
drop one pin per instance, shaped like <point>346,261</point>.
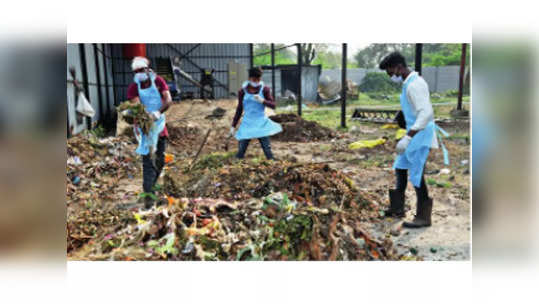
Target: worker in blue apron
<point>413,149</point>
<point>152,91</point>
<point>252,99</point>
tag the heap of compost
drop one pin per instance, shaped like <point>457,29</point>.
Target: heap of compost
<point>297,129</point>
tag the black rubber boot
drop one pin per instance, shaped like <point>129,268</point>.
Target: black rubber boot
<point>148,202</point>
<point>423,215</point>
<point>396,204</point>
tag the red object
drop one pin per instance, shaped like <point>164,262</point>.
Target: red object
<point>131,50</point>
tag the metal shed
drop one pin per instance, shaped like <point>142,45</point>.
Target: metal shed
<point>286,78</point>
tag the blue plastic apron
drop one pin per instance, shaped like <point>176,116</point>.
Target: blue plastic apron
<point>255,124</point>
<point>415,156</point>
<point>151,99</point>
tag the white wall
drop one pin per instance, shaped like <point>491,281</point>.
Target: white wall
<point>440,79</point>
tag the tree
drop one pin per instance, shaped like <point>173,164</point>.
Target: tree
<point>308,50</point>
<point>371,56</point>
<point>434,54</point>
<point>284,56</point>
<point>444,54</point>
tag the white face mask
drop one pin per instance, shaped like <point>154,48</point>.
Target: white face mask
<point>254,84</point>
<point>396,79</point>
<point>141,76</point>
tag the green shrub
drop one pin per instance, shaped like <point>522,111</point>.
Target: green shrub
<point>378,82</point>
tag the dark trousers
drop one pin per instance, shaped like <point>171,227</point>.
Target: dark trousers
<point>402,180</point>
<point>149,172</point>
<point>264,142</point>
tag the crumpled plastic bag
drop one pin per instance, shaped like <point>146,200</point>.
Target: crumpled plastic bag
<point>84,107</point>
<point>367,143</point>
<point>389,126</point>
<point>400,133</point>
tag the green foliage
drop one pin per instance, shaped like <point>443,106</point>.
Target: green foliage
<point>328,60</point>
<point>378,82</point>
<point>444,54</point>
<point>285,56</point>
<point>371,56</point>
<point>434,54</point>
<point>322,56</point>
<point>98,132</point>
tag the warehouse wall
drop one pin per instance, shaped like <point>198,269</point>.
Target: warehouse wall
<point>93,72</point>
<point>207,55</point>
<point>440,79</point>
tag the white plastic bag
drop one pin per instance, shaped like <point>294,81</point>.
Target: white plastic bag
<point>84,107</point>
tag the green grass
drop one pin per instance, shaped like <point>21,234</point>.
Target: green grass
<point>331,117</point>
<point>394,100</point>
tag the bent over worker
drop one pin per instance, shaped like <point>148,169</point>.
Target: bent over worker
<point>413,149</point>
<point>152,91</point>
<point>252,99</point>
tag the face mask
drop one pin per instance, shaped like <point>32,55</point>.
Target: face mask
<point>396,79</point>
<point>141,76</point>
<point>254,84</point>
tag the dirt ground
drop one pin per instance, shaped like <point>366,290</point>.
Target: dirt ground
<point>447,239</point>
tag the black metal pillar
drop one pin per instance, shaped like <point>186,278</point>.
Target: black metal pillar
<point>106,78</point>
<point>461,76</point>
<point>273,70</point>
<point>98,79</point>
<point>85,80</point>
<point>343,85</point>
<point>300,63</point>
<point>251,52</point>
<point>112,63</point>
<point>418,57</point>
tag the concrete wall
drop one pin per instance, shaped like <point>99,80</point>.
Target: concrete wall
<point>440,79</point>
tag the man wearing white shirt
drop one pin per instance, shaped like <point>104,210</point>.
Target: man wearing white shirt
<point>413,148</point>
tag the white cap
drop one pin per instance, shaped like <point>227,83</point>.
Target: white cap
<point>139,63</point>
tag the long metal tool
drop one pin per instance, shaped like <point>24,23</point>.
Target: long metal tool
<point>217,114</point>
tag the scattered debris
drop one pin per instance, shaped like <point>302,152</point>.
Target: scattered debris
<point>95,165</point>
<point>445,171</point>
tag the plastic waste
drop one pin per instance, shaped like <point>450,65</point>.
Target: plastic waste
<point>367,143</point>
<point>84,107</point>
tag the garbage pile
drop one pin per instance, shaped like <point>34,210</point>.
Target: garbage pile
<point>83,224</point>
<point>94,166</point>
<point>250,211</point>
<point>297,129</point>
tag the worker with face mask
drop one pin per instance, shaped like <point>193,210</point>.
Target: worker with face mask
<point>152,91</point>
<point>252,99</point>
<point>413,149</point>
